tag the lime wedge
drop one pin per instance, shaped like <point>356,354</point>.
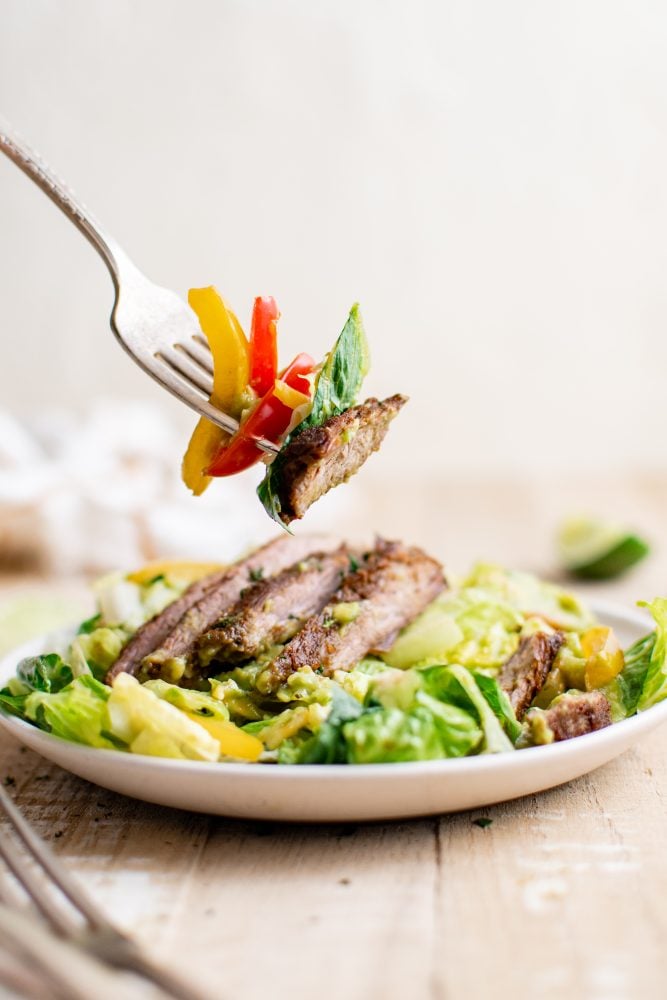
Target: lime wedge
<point>598,550</point>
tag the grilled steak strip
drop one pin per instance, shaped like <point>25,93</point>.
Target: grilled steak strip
<point>273,610</point>
<point>153,632</point>
<point>523,675</point>
<point>216,602</point>
<point>392,586</point>
<point>577,714</point>
<point>322,457</point>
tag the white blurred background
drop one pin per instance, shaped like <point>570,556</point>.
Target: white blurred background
<point>487,179</point>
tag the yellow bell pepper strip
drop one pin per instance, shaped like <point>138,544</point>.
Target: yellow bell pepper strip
<point>604,656</point>
<point>175,569</point>
<point>206,441</point>
<point>229,349</point>
<point>233,741</point>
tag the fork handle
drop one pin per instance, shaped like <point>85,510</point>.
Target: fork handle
<point>31,163</point>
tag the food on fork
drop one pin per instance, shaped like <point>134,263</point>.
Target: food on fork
<point>306,411</point>
<point>311,651</point>
<point>325,455</point>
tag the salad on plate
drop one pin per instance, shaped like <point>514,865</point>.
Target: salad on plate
<point>309,651</point>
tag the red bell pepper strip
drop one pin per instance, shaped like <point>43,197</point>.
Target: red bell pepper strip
<point>263,348</point>
<point>269,419</point>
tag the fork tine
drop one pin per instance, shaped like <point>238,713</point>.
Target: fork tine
<point>195,349</point>
<point>186,368</point>
<point>42,853</point>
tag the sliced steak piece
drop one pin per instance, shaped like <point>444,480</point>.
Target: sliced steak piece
<point>576,714</point>
<point>390,588</point>
<point>175,647</point>
<point>149,635</point>
<point>523,675</point>
<point>273,610</point>
<point>322,457</point>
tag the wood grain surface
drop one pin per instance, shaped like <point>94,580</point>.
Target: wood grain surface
<point>563,895</point>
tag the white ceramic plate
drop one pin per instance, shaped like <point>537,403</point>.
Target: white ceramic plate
<point>340,793</point>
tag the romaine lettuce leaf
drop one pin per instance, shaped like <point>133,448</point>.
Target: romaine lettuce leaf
<point>77,712</point>
<point>13,704</point>
<point>499,704</point>
<point>654,687</point>
<point>456,685</point>
<point>101,648</point>
<point>196,702</point>
<point>529,595</point>
<point>336,389</point>
<point>47,673</point>
<point>430,731</point>
<point>150,725</point>
<point>624,691</point>
<point>328,745</point>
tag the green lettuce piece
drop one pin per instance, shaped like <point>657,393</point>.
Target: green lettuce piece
<point>529,595</point>
<point>457,686</point>
<point>429,731</point>
<point>195,702</point>
<point>428,638</point>
<point>654,687</point>
<point>336,390</point>
<point>624,691</point>
<point>101,648</point>
<point>290,750</point>
<point>499,704</point>
<point>89,625</point>
<point>47,673</point>
<point>13,704</point>
<point>300,720</point>
<point>150,725</point>
<point>328,745</point>
<point>78,712</point>
<point>489,628</point>
<point>238,702</point>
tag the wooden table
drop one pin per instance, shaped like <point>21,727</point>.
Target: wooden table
<point>564,895</point>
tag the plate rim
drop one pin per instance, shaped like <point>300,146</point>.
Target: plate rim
<point>357,772</point>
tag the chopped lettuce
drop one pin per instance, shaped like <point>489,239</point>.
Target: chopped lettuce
<point>531,596</point>
<point>328,745</point>
<point>47,673</point>
<point>457,686</point>
<point>429,731</point>
<point>429,637</point>
<point>499,704</point>
<point>123,603</point>
<point>336,389</point>
<point>195,702</point>
<point>78,712</point>
<point>654,686</point>
<point>624,691</point>
<point>150,725</point>
<point>100,647</point>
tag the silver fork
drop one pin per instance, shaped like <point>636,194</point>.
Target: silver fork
<point>91,930</point>
<point>156,328</point>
